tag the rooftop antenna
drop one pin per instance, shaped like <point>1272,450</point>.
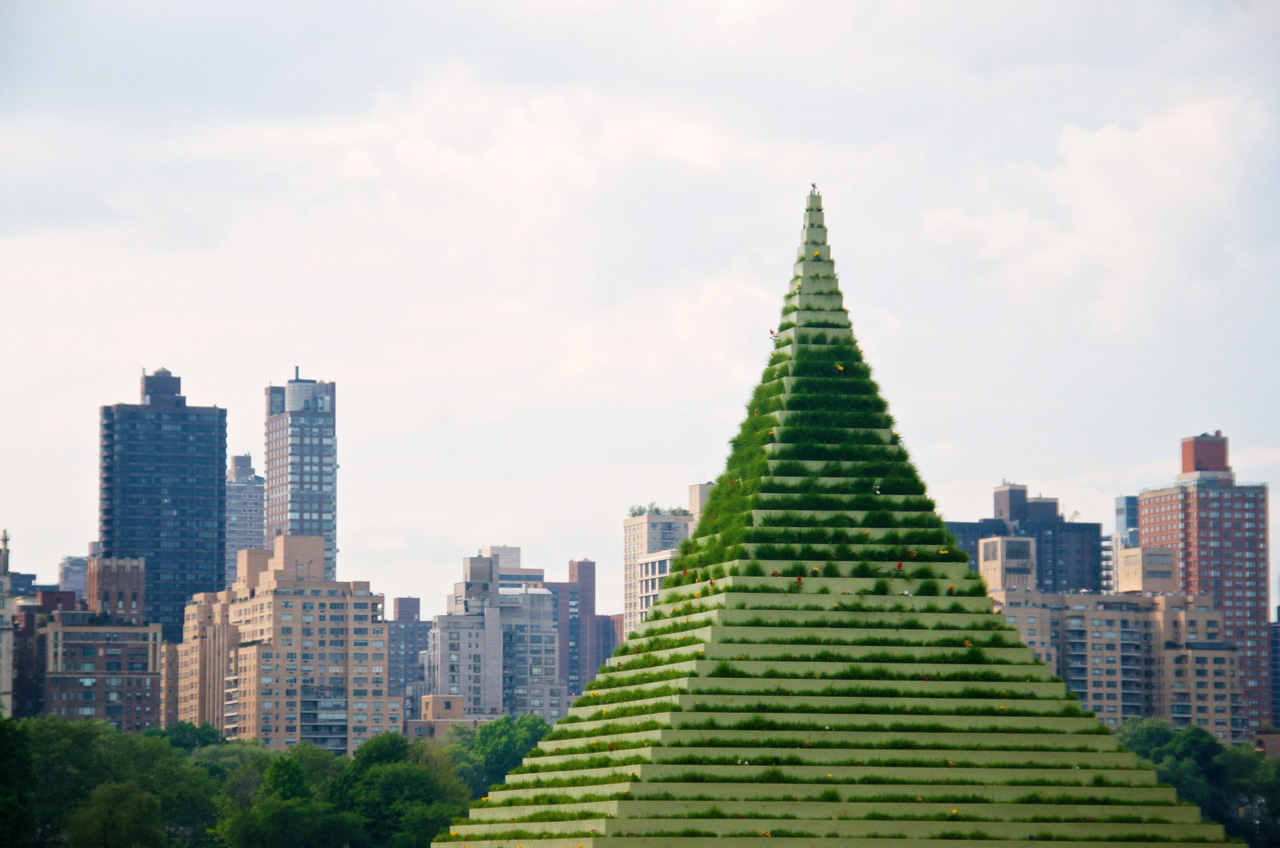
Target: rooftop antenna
<point>297,373</point>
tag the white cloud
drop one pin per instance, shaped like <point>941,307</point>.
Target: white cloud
<point>1132,219</point>
<point>540,251</point>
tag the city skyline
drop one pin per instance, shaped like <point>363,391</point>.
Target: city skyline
<point>511,242</point>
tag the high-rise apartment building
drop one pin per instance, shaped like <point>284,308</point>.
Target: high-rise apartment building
<point>651,570</point>
<point>1218,527</point>
<point>72,573</point>
<point>245,527</point>
<point>651,531</point>
<point>1008,562</point>
<point>94,660</point>
<point>1068,552</point>
<point>584,644</point>
<point>1127,520</point>
<point>103,662</point>
<point>1140,655</point>
<point>406,639</point>
<point>497,649</point>
<point>6,629</point>
<point>1275,673</point>
<point>162,494</point>
<point>302,464</point>
<point>510,572</point>
<point>286,655</point>
<point>30,662</point>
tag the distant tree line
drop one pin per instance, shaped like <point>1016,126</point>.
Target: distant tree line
<point>84,785</point>
<point>1233,785</point>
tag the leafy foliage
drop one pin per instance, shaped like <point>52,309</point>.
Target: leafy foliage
<point>1233,785</point>
<point>84,784</point>
<point>486,755</point>
<point>118,815</point>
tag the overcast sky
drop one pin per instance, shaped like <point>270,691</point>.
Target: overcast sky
<point>540,246</point>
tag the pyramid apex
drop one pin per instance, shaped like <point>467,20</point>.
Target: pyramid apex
<point>822,666</point>
<point>815,199</point>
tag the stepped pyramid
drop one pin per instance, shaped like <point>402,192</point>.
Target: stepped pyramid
<point>823,668</point>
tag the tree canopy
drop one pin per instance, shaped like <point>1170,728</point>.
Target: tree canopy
<point>84,784</point>
<point>1232,785</point>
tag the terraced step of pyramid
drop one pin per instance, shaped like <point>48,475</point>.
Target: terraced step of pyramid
<point>823,669</point>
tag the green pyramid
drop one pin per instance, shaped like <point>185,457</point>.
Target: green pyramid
<point>823,668</point>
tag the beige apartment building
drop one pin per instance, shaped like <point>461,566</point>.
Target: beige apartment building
<point>440,713</point>
<point>286,656</point>
<point>1137,654</point>
<point>1008,562</point>
<point>650,542</point>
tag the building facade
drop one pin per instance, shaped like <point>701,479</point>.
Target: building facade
<point>162,494</point>
<point>1008,562</point>
<point>1219,527</point>
<point>1068,553</point>
<point>583,644</point>
<point>497,649</point>
<point>302,464</point>
<point>6,629</point>
<point>286,655</point>
<point>23,585</point>
<point>73,571</point>
<point>93,660</point>
<point>1127,520</point>
<point>650,572</point>
<point>102,672</point>
<point>30,657</point>
<point>1136,655</point>
<point>406,639</point>
<point>650,531</point>
<point>245,518</point>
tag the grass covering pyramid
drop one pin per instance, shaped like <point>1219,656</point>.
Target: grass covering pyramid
<point>823,669</point>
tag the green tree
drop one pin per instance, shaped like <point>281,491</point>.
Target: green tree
<point>17,783</point>
<point>186,791</point>
<point>1144,736</point>
<point>69,760</point>
<point>118,815</point>
<point>320,767</point>
<point>383,749</point>
<point>486,755</point>
<point>236,767</point>
<point>461,747</point>
<point>400,800</point>
<point>276,822</point>
<point>405,794</point>
<point>187,736</point>
<point>1232,785</point>
<point>284,779</point>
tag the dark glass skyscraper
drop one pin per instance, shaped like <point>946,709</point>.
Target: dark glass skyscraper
<point>162,494</point>
<point>1068,553</point>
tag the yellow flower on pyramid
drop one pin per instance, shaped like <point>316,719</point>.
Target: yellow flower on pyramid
<point>839,367</point>
<point>817,253</point>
